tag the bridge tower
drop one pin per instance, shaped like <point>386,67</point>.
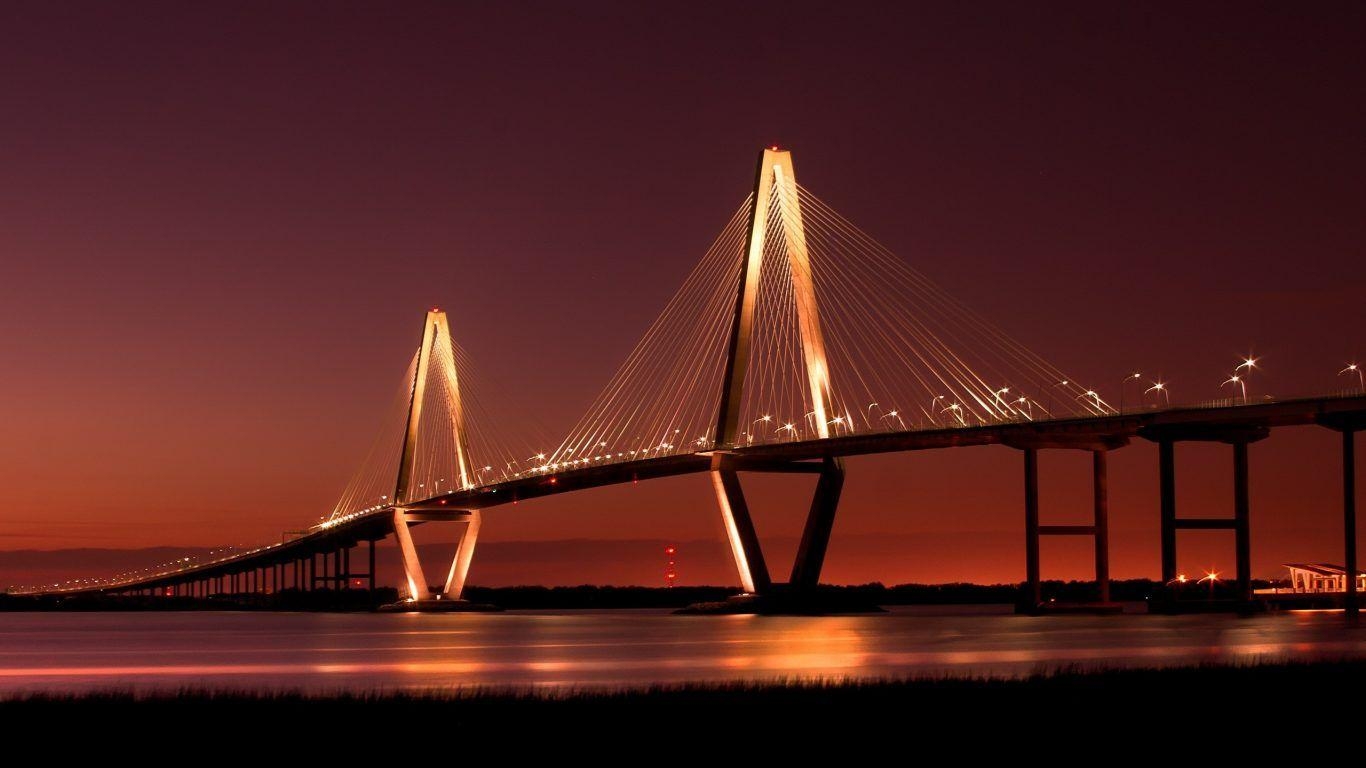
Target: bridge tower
<point>775,193</point>
<point>435,356</point>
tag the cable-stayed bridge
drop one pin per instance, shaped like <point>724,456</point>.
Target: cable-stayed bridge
<point>795,342</point>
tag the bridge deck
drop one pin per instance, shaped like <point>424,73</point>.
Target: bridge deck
<point>1105,432</point>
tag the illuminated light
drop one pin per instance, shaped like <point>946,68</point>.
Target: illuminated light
<point>1354,368</point>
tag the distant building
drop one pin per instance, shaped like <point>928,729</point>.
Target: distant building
<point>1320,577</point>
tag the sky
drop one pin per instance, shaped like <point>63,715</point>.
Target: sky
<point>220,228</point>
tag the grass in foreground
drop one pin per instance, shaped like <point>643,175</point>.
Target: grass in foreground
<point>1064,699</point>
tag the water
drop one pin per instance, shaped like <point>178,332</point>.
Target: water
<point>321,652</point>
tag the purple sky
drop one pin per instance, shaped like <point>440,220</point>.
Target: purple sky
<point>220,226</point>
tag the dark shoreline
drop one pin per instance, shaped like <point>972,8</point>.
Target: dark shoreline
<point>599,597</point>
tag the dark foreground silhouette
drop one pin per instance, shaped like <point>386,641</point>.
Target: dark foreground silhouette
<point>1068,707</point>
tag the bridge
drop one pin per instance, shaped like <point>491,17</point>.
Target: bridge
<point>797,341</point>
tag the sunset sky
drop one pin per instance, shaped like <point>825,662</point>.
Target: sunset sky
<point>220,228</point>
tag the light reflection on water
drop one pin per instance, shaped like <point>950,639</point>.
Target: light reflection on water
<point>579,649</point>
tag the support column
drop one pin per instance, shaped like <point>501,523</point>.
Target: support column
<point>418,588</point>
<point>460,565</point>
<point>1033,589</point>
<point>1100,485</point>
<point>744,540</point>
<point>312,571</point>
<point>820,523</point>
<point>346,567</point>
<point>1241,517</point>
<point>1166,467</point>
<point>1349,520</point>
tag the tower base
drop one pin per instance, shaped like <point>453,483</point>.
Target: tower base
<point>438,606</point>
<point>781,602</point>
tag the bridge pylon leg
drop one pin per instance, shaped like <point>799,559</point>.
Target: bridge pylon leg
<point>744,540</point>
<point>418,586</point>
<point>422,596</point>
<point>761,594</point>
<point>820,523</point>
<point>464,554</point>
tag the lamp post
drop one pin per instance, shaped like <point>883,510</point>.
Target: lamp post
<point>1160,388</point>
<point>1062,383</point>
<point>934,403</point>
<point>1213,578</point>
<point>1354,368</point>
<point>1123,384</point>
<point>1240,381</point>
<point>1091,393</point>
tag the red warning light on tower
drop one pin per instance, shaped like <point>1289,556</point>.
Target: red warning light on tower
<point>670,572</point>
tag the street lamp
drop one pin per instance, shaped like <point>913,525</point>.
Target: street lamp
<point>935,404</point>
<point>1160,388</point>
<point>1354,368</point>
<point>1059,385</point>
<point>1091,393</point>
<point>1122,385</point>
<point>1002,391</point>
<point>1236,379</point>
<point>957,411</point>
<point>1213,578</point>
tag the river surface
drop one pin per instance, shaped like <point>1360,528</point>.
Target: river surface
<point>322,652</point>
